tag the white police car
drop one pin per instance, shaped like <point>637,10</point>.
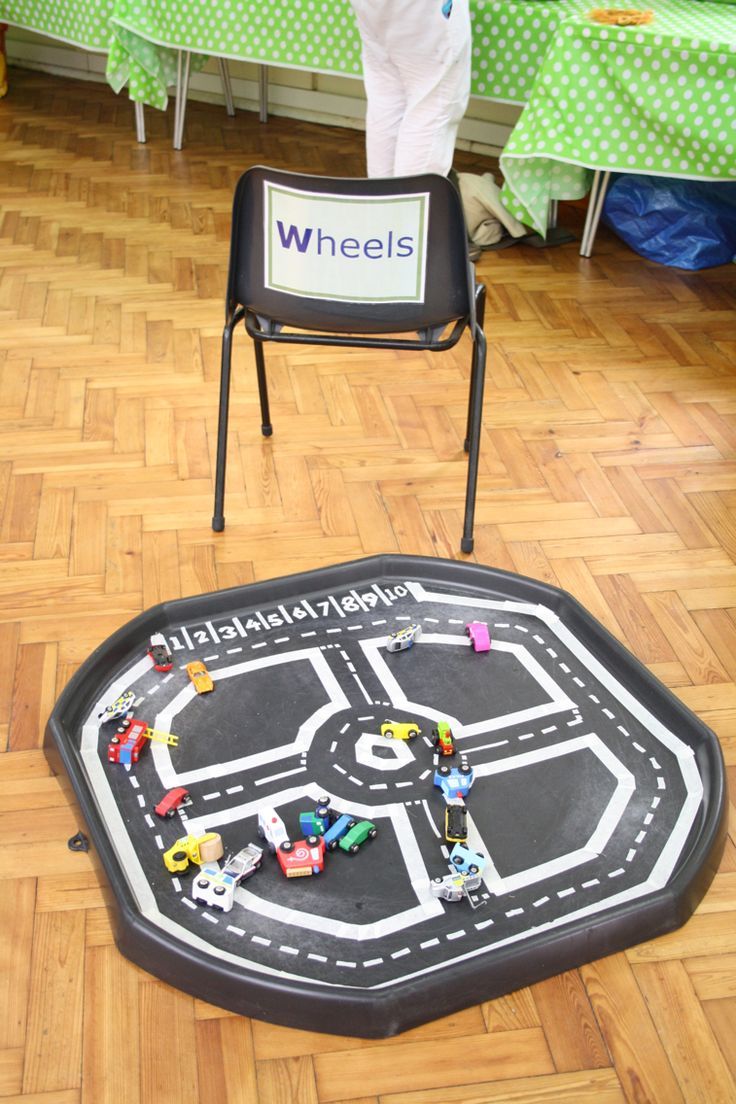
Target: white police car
<point>215,887</point>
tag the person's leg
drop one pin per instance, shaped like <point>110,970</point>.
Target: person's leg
<point>383,86</point>
<point>436,76</point>
<point>385,111</point>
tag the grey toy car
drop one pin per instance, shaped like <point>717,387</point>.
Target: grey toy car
<point>453,887</point>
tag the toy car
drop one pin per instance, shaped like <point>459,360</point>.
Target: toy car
<point>312,825</point>
<point>467,861</point>
<point>357,835</point>
<point>403,638</point>
<point>453,887</point>
<point>200,676</point>
<point>454,781</point>
<point>198,849</point>
<point>443,738</point>
<point>118,708</point>
<point>456,821</point>
<point>337,830</point>
<point>175,799</point>
<point>159,653</point>
<point>324,812</point>
<point>398,730</point>
<point>216,887</point>
<point>272,828</point>
<point>302,857</point>
<point>479,637</point>
<point>128,742</point>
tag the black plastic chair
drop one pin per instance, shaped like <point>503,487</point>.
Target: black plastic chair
<point>451,300</point>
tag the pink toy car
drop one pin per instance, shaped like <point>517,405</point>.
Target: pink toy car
<point>479,637</point>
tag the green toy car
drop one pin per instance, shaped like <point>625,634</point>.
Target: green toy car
<point>357,835</point>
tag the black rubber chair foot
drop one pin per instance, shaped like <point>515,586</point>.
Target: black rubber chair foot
<point>266,430</point>
<point>218,524</point>
<point>466,544</point>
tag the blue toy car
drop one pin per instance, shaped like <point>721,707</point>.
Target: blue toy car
<point>454,781</point>
<point>336,831</point>
<point>466,861</point>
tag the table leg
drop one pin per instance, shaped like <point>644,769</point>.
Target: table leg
<point>595,209</point>
<point>227,88</point>
<point>263,93</point>
<point>182,89</point>
<point>140,123</point>
<point>552,214</point>
<point>589,214</point>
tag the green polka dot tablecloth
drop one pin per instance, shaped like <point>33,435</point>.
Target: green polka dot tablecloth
<point>83,23</point>
<point>510,39</point>
<point>657,99</point>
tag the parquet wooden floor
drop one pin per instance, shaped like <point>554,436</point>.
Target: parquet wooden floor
<point>607,468</point>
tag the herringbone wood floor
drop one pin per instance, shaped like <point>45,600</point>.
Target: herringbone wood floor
<point>607,468</point>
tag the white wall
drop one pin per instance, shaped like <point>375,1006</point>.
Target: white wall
<point>334,100</point>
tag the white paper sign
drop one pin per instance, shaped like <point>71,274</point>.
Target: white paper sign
<point>358,249</point>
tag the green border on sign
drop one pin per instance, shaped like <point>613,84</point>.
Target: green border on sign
<point>423,202</point>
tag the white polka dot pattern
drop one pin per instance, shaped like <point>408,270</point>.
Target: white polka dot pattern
<point>650,99</point>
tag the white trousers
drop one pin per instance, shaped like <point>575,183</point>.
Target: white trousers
<point>416,67</point>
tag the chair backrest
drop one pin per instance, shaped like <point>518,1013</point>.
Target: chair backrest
<point>349,255</point>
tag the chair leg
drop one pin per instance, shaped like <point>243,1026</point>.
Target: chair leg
<point>480,314</point>
<point>218,519</point>
<point>266,427</point>
<point>466,544</point>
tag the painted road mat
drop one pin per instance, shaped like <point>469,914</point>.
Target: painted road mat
<point>591,803</point>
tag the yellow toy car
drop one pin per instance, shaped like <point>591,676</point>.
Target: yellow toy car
<point>400,730</point>
<point>200,676</point>
<point>197,849</point>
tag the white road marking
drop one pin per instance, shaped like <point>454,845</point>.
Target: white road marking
<point>275,777</point>
<point>363,690</point>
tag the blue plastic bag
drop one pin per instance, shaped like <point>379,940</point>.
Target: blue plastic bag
<point>682,223</point>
